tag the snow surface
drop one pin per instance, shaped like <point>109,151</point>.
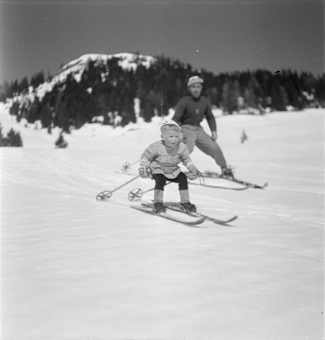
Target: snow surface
<point>76,268</point>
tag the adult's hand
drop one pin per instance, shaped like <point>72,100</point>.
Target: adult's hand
<point>214,136</point>
<point>181,137</point>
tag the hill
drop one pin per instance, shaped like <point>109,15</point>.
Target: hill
<point>126,86</point>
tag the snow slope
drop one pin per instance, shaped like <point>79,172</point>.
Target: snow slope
<point>76,268</point>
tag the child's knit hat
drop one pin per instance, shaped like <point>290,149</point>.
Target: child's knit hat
<point>170,123</point>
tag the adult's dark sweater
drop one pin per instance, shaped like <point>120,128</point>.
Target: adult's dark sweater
<point>192,111</point>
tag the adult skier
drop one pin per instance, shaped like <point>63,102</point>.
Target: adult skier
<point>190,112</point>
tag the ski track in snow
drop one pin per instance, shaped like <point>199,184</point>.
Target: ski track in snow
<point>74,267</point>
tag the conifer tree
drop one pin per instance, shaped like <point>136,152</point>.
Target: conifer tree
<point>13,139</point>
<point>37,79</point>
<point>23,85</point>
<point>46,115</point>
<point>2,138</point>
<point>61,143</point>
<point>34,111</point>
<point>229,97</point>
<point>277,97</point>
<point>225,97</point>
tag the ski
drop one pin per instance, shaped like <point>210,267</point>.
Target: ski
<point>169,217</point>
<point>178,208</point>
<point>211,174</point>
<point>220,187</point>
<point>209,218</point>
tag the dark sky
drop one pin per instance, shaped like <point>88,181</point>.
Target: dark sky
<point>219,36</point>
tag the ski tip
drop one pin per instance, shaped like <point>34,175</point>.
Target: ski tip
<point>228,221</point>
<point>255,186</point>
<point>262,186</point>
<point>233,219</point>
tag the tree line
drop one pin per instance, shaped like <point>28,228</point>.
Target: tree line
<point>108,90</point>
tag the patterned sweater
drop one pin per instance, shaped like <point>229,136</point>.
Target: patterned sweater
<point>164,159</point>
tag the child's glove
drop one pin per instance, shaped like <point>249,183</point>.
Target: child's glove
<point>194,172</point>
<point>145,172</point>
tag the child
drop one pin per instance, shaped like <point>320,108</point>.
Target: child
<point>160,161</point>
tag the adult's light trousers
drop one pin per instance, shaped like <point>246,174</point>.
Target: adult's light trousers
<point>196,136</point>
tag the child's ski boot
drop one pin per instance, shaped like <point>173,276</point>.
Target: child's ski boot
<point>159,208</point>
<point>189,207</point>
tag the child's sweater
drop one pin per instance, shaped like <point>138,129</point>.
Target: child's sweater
<point>164,159</point>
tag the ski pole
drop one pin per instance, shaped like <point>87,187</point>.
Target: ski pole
<point>104,195</point>
<point>137,193</point>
